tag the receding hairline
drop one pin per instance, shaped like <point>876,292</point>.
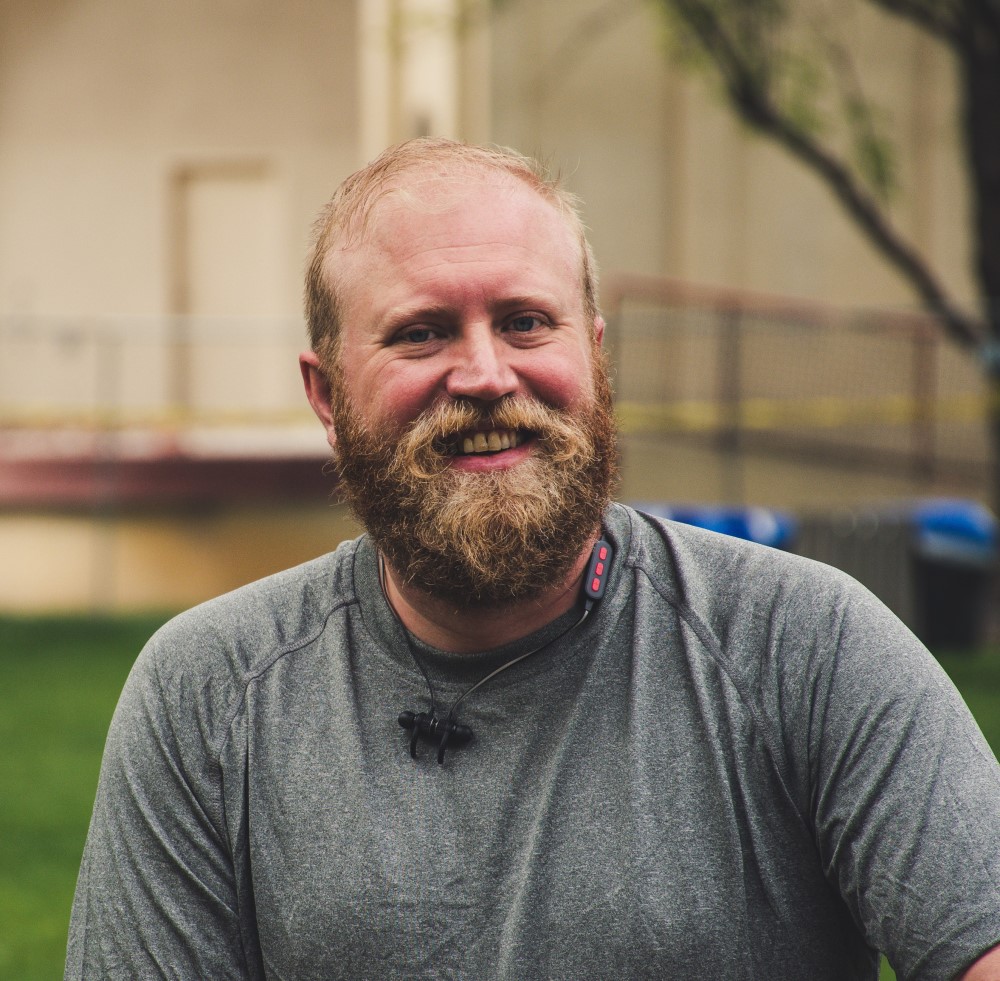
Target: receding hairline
<point>345,220</point>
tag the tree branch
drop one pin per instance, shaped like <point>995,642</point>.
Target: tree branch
<point>877,226</point>
<point>937,17</point>
<point>753,104</point>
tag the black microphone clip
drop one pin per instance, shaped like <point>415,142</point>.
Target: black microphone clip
<point>430,727</point>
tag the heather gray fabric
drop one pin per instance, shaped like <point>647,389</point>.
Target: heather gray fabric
<point>741,766</point>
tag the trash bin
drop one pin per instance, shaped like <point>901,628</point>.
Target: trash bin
<point>873,545</point>
<point>955,559</point>
<point>931,562</point>
<point>754,524</point>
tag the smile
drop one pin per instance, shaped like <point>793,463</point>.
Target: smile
<point>493,441</point>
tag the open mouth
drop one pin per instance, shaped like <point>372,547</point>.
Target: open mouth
<point>490,441</point>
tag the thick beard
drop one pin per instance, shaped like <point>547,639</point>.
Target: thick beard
<point>484,539</point>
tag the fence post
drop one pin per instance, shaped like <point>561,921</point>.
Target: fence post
<point>730,380</point>
<point>106,466</point>
<point>730,397</point>
<point>925,392</point>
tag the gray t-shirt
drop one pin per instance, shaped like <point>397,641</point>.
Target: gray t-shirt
<point>739,766</point>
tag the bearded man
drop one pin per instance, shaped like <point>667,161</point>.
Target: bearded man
<point>515,730</point>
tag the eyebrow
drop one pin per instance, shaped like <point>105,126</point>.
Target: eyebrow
<point>402,316</point>
<point>508,304</point>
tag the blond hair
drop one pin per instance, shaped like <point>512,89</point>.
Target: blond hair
<point>346,215</point>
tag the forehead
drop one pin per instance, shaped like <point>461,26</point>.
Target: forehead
<point>461,216</point>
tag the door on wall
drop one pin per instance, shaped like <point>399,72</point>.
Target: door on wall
<point>228,241</point>
<point>227,281</point>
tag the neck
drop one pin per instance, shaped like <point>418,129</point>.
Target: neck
<point>468,630</point>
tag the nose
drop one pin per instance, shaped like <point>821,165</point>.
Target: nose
<point>482,368</point>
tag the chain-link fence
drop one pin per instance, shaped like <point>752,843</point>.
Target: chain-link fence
<point>867,389</point>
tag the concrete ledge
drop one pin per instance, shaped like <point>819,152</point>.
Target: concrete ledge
<point>94,482</point>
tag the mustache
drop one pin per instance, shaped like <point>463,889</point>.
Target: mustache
<point>431,439</point>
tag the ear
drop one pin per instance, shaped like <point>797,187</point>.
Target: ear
<point>317,387</point>
<point>599,330</point>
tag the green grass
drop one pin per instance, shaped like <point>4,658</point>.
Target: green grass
<point>59,681</point>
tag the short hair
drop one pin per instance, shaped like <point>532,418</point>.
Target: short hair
<point>347,213</point>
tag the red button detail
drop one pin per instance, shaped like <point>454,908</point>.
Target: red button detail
<point>595,585</point>
<point>600,569</point>
<point>602,553</point>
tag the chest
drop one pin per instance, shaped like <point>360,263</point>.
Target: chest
<point>572,838</point>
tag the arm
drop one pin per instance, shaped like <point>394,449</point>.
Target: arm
<point>905,795</point>
<point>987,968</point>
<point>157,893</point>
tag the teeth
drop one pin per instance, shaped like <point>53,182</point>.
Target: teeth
<point>491,442</point>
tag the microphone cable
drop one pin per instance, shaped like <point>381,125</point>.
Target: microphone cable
<point>446,730</point>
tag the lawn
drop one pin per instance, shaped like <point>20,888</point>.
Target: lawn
<point>59,680</point>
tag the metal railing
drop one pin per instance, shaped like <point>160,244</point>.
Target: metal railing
<point>160,375</point>
<point>875,388</point>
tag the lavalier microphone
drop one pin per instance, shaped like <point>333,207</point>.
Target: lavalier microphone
<point>446,732</point>
<point>430,727</point>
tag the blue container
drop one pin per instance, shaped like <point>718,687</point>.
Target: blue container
<point>761,525</point>
<point>961,532</point>
<point>955,556</point>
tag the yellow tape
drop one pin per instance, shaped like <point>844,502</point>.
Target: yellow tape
<point>166,419</point>
<point>827,412</point>
<point>692,415</point>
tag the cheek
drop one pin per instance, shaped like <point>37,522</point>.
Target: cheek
<point>561,382</point>
<point>394,398</point>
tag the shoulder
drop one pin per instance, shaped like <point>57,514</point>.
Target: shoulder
<point>256,621</point>
<point>719,578</point>
<point>810,651</point>
<point>776,624</point>
<point>200,663</point>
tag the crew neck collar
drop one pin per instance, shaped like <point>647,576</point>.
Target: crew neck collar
<point>391,638</point>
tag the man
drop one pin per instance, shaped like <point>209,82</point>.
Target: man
<point>517,731</point>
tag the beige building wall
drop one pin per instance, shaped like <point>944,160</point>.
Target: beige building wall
<point>673,185</point>
<point>158,159</point>
<point>106,107</point>
<point>162,560</point>
<point>128,130</point>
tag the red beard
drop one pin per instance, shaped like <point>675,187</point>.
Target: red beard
<point>490,538</point>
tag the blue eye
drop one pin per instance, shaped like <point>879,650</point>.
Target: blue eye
<point>524,324</point>
<point>418,335</point>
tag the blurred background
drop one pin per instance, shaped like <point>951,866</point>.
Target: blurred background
<point>795,205</point>
<point>161,167</point>
<point>766,228</point>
